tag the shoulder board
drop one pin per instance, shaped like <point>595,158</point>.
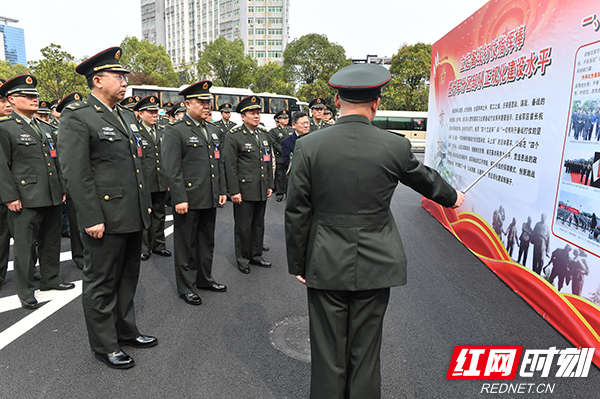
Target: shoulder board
<point>122,108</point>
<point>47,123</point>
<point>77,105</point>
<point>5,118</point>
<point>159,127</point>
<point>236,130</point>
<point>261,129</point>
<point>210,123</point>
<point>176,121</point>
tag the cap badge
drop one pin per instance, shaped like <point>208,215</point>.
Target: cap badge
<point>118,55</point>
<point>43,104</point>
<point>130,99</point>
<point>152,99</point>
<point>318,100</point>
<point>253,99</point>
<point>205,86</point>
<point>29,80</point>
<point>76,97</point>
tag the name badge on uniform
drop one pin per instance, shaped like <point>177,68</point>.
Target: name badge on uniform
<point>134,128</point>
<point>108,132</point>
<point>145,142</point>
<point>194,139</point>
<point>215,137</point>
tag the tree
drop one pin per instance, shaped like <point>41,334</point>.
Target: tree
<point>9,71</point>
<point>188,73</point>
<point>224,62</point>
<point>270,78</point>
<point>148,63</point>
<point>312,57</point>
<point>55,74</point>
<point>318,88</point>
<point>409,87</point>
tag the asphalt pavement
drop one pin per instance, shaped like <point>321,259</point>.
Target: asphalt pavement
<point>224,348</point>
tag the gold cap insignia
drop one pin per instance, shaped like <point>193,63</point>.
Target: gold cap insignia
<point>253,99</point>
<point>43,104</point>
<point>205,86</point>
<point>76,97</point>
<point>29,80</point>
<point>130,99</point>
<point>318,100</point>
<point>151,99</point>
<point>118,55</point>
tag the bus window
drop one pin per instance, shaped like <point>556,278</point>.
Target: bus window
<point>420,124</point>
<point>380,122</point>
<point>221,99</point>
<point>397,123</point>
<point>274,105</point>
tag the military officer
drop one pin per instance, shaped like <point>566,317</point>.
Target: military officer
<point>55,115</point>
<point>224,125</point>
<point>43,111</point>
<point>164,119</point>
<point>341,238</point>
<point>278,134</point>
<point>101,157</point>
<point>328,115</point>
<point>248,166</point>
<point>192,155</point>
<point>32,188</point>
<point>317,108</point>
<point>74,235</point>
<point>5,109</point>
<point>151,133</point>
<point>177,111</point>
<point>129,102</point>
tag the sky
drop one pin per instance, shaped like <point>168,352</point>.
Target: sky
<point>377,27</point>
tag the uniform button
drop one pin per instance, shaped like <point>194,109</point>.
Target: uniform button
<point>23,182</point>
<point>157,161</point>
<point>210,156</point>
<point>140,186</point>
<point>50,173</point>
<point>157,153</point>
<point>209,147</point>
<point>189,184</point>
<point>26,143</point>
<point>195,145</point>
<point>45,155</point>
<point>106,197</point>
<point>213,175</point>
<point>137,171</point>
<point>110,139</point>
<point>243,180</point>
<point>131,141</point>
<point>134,156</point>
<point>43,145</point>
<point>262,175</point>
<point>212,166</point>
<point>49,165</point>
<point>157,168</point>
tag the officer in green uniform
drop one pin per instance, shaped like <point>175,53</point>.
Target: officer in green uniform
<point>278,134</point>
<point>55,115</point>
<point>177,111</point>
<point>32,189</point>
<point>317,108</point>
<point>249,171</point>
<point>100,155</point>
<point>192,155</point>
<point>224,125</point>
<point>328,116</point>
<point>43,111</point>
<point>163,120</point>
<point>341,238</point>
<point>5,109</point>
<point>74,234</point>
<point>156,182</point>
<point>129,102</point>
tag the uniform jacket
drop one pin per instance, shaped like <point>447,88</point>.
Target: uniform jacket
<point>224,128</point>
<point>248,164</point>
<point>153,165</point>
<point>287,148</point>
<point>100,163</point>
<point>314,126</point>
<point>340,233</point>
<point>193,165</point>
<point>28,170</point>
<point>278,134</point>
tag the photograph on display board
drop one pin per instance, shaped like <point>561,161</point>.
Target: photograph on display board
<point>578,167</point>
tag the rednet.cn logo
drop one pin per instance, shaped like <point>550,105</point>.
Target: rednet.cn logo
<point>502,362</point>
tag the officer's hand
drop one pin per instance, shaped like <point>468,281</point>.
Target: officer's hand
<point>301,279</point>
<point>64,197</point>
<point>269,192</point>
<point>15,205</point>
<point>222,200</point>
<point>460,198</point>
<point>181,208</point>
<point>96,231</point>
<point>237,198</point>
<point>149,211</point>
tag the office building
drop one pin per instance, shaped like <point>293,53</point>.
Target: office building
<point>12,43</point>
<point>153,21</point>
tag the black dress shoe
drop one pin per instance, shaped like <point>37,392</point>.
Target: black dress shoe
<point>141,341</point>
<point>60,287</point>
<point>144,256</point>
<point>244,268</point>
<point>265,248</point>
<point>215,287</point>
<point>29,303</point>
<point>116,360</point>
<point>163,252</point>
<point>192,299</point>
<point>262,263</point>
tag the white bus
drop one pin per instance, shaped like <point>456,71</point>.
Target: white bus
<point>272,103</point>
<point>411,124</point>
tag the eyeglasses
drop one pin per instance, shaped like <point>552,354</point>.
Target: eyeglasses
<point>120,78</point>
<point>28,96</point>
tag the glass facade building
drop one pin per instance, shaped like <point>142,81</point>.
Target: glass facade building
<point>13,45</point>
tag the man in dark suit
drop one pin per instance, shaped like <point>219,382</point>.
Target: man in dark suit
<point>301,126</point>
<point>224,125</point>
<point>192,157</point>
<point>278,134</point>
<point>151,134</point>
<point>5,109</point>
<point>341,238</point>
<point>249,171</point>
<point>101,158</point>
<point>32,189</point>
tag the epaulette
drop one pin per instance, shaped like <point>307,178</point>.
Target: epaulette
<point>122,108</point>
<point>236,129</point>
<point>210,123</point>
<point>262,129</point>
<point>5,118</point>
<point>395,133</point>
<point>77,105</point>
<point>47,123</point>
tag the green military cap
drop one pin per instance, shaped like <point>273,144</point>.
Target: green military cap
<point>281,114</point>
<point>225,107</point>
<point>168,105</point>
<point>178,107</point>
<point>107,60</point>
<point>318,102</point>
<point>129,102</point>
<point>43,107</point>
<point>69,98</point>
<point>148,103</point>
<point>328,110</point>
<point>199,90</point>
<point>248,103</point>
<point>360,82</point>
<point>54,103</point>
<point>20,84</point>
